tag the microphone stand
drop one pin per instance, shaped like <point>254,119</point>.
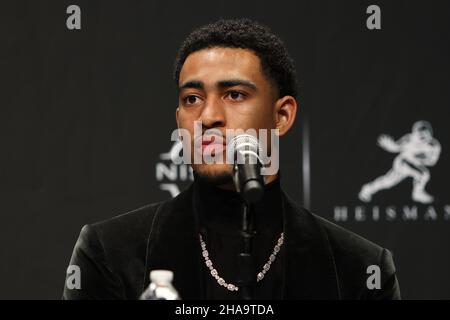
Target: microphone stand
<point>250,184</point>
<point>246,280</point>
<point>246,266</point>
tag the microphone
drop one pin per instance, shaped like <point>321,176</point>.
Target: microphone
<point>243,151</point>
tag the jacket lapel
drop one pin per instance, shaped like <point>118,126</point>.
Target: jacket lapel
<point>310,271</point>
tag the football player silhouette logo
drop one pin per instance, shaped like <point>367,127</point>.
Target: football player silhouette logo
<point>416,151</point>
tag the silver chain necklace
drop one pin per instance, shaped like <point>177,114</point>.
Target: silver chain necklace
<point>260,275</point>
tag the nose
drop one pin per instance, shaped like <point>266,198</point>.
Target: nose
<point>213,114</point>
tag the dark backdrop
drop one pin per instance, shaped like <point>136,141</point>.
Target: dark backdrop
<point>86,115</point>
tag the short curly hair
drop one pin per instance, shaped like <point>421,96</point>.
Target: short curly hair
<point>244,33</point>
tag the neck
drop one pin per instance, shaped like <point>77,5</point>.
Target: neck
<point>220,209</point>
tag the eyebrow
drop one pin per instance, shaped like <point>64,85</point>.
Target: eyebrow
<point>236,82</point>
<point>221,84</point>
<point>191,84</point>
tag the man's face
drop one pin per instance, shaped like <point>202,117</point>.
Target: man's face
<point>224,88</point>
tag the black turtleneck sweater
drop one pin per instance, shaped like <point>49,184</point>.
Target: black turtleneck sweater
<point>220,217</point>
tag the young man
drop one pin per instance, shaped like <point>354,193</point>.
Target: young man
<point>232,74</point>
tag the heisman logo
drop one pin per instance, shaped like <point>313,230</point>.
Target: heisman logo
<point>170,173</point>
<point>416,151</point>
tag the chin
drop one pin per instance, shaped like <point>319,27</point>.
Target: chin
<point>217,174</point>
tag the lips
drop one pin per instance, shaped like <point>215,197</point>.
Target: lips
<point>215,143</point>
<point>213,140</point>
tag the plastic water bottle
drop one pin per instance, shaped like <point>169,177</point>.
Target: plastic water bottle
<point>160,287</point>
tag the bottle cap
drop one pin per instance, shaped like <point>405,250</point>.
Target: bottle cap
<point>161,276</point>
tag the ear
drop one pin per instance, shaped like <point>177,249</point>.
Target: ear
<point>286,111</point>
<point>176,116</point>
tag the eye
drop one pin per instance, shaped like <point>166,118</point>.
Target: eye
<point>236,95</point>
<point>191,99</point>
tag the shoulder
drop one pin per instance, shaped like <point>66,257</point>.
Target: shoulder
<point>356,260</point>
<point>127,227</point>
<point>345,245</point>
<point>120,241</point>
<point>341,240</point>
<point>348,243</point>
<point>128,233</point>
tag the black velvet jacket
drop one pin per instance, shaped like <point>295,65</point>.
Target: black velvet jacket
<point>321,260</point>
